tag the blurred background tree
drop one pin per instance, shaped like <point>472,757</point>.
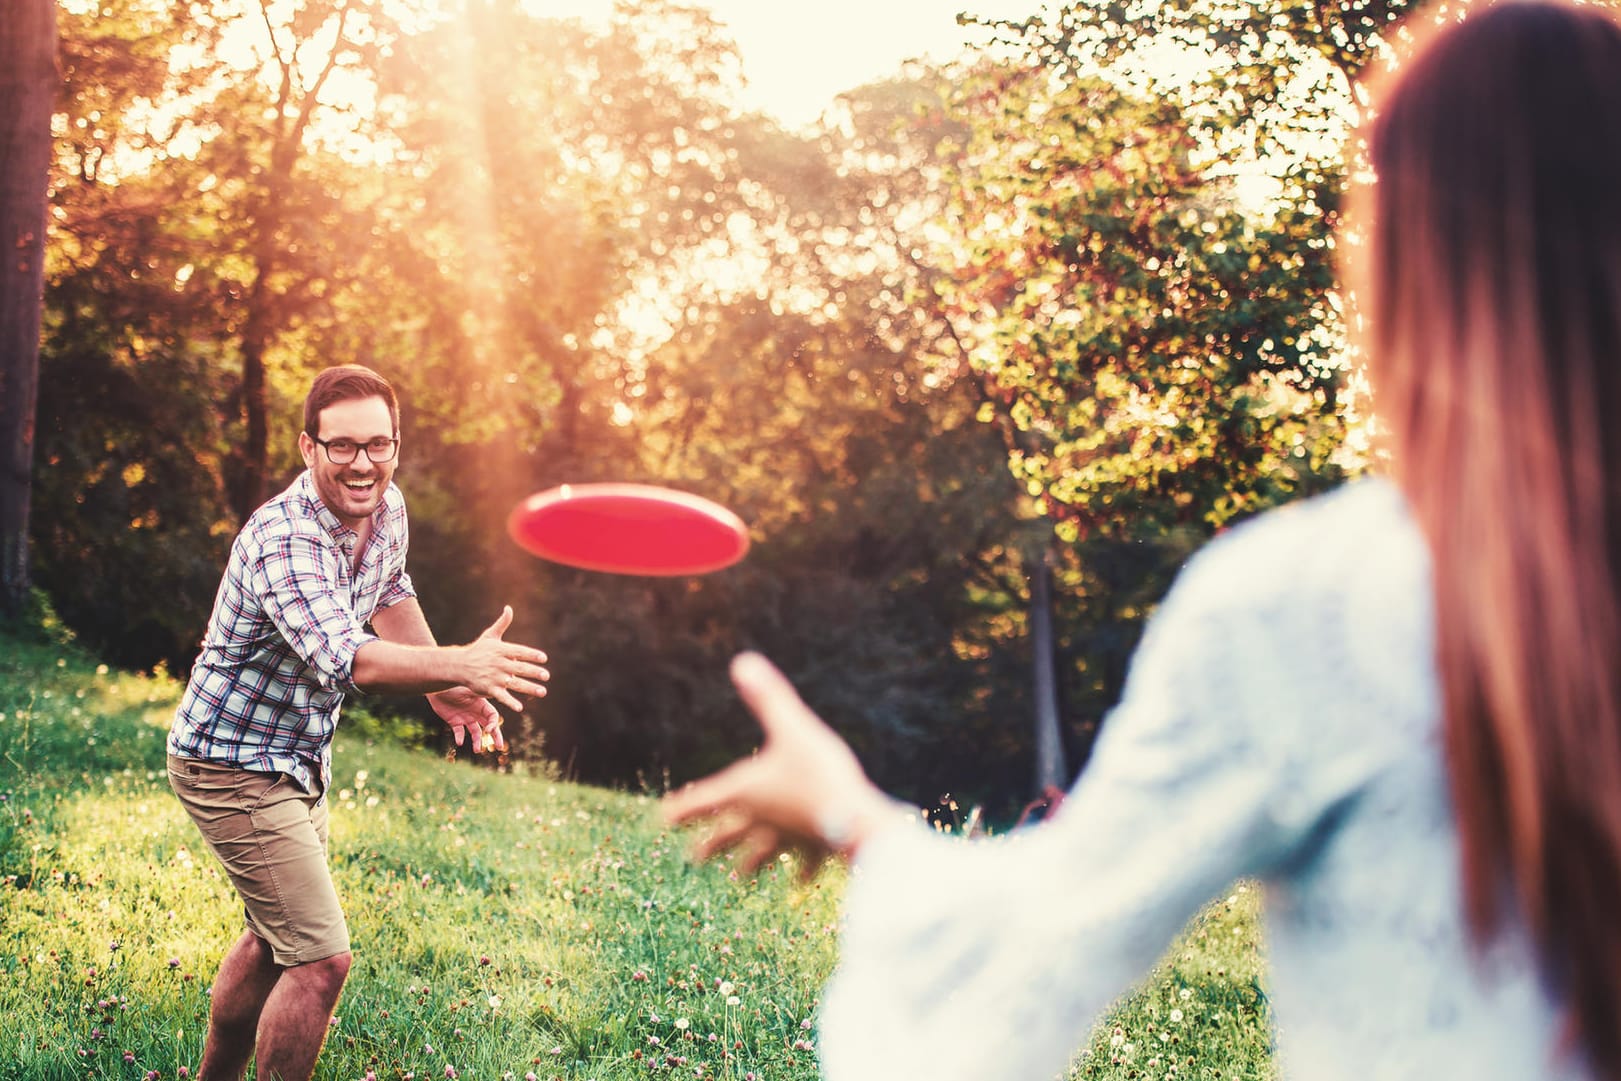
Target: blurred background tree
<point>27,76</point>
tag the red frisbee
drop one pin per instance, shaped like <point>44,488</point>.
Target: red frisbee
<point>629,529</point>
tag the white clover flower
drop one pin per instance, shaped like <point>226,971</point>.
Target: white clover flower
<point>1176,1015</point>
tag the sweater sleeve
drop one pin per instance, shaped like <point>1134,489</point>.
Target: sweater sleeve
<point>972,959</point>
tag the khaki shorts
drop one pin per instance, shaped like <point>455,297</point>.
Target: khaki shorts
<point>271,837</point>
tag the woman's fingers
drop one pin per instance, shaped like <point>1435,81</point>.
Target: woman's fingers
<point>770,697</point>
<point>758,845</point>
<point>769,802</point>
<point>809,864</point>
<point>706,797</point>
<point>723,838</point>
<point>763,845</point>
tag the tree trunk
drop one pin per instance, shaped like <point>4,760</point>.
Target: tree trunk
<point>28,81</point>
<point>251,487</point>
<point>266,315</point>
<point>264,319</point>
<point>1050,768</point>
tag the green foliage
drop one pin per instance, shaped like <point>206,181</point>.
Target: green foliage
<point>38,623</point>
<point>876,527</point>
<point>579,261</point>
<point>884,516</point>
<point>1165,357</point>
<point>502,922</point>
<point>1143,202</point>
<point>128,531</point>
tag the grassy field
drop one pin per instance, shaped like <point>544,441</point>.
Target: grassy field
<point>507,925</point>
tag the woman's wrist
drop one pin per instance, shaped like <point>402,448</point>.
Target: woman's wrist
<point>845,827</point>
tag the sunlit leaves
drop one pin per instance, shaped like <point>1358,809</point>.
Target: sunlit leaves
<point>1169,355</point>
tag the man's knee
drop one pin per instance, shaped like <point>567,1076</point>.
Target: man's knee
<point>328,973</point>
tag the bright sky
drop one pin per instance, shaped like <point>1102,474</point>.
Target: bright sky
<point>798,56</point>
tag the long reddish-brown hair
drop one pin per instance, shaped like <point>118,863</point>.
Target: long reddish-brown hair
<point>1491,283</point>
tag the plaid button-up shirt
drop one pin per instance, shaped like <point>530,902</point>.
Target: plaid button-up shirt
<point>290,615</point>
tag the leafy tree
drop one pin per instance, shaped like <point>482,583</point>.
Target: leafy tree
<point>790,393</point>
<point>884,519</point>
<point>27,84</point>
<point>264,125</point>
<point>133,531</point>
<point>1161,348</point>
<point>1167,357</point>
<point>138,370</point>
<point>206,227</point>
<point>535,246</point>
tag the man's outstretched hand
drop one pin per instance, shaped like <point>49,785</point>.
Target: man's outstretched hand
<point>502,670</point>
<point>497,669</point>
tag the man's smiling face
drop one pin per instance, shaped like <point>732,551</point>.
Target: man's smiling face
<point>354,490</point>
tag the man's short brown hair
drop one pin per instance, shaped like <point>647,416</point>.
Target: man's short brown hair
<point>344,383</point>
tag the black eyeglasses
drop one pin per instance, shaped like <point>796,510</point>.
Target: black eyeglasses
<point>344,451</point>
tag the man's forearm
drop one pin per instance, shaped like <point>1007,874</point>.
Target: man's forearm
<point>385,667</point>
<point>404,623</point>
<point>404,662</point>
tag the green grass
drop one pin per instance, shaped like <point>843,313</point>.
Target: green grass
<point>505,923</point>
<point>1201,1014</point>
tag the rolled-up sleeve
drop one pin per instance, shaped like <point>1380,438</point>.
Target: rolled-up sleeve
<point>397,590</point>
<point>296,577</point>
<point>397,585</point>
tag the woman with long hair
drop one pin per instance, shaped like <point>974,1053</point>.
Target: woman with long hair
<point>1397,706</point>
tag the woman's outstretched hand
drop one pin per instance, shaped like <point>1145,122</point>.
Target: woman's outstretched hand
<point>803,792</point>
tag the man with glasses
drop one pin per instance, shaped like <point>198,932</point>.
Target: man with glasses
<point>315,604</point>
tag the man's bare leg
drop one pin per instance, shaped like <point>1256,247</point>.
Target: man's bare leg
<point>246,977</point>
<point>294,1021</point>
